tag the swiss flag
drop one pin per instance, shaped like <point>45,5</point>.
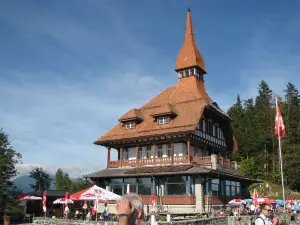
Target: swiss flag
<point>279,126</point>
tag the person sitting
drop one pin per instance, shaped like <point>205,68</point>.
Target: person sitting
<point>131,210</point>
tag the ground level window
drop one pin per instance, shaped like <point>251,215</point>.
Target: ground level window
<point>176,185</point>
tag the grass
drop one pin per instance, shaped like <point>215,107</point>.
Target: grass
<point>274,191</point>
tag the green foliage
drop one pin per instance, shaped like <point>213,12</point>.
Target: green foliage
<point>253,127</point>
<point>77,185</point>
<point>42,179</point>
<point>62,180</point>
<point>8,159</point>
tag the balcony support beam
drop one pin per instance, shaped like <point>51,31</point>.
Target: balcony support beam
<point>121,156</point>
<point>136,155</point>
<point>172,152</point>
<point>108,156</point>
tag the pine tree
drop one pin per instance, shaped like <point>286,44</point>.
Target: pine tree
<point>42,179</point>
<point>8,159</point>
<point>62,180</point>
<point>292,113</point>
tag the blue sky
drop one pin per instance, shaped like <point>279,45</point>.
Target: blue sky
<point>70,69</point>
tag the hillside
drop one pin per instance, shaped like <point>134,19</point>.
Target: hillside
<point>274,191</point>
<point>23,183</point>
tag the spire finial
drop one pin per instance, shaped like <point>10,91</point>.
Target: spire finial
<point>189,10</point>
<point>189,55</point>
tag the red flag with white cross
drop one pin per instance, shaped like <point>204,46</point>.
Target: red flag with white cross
<point>279,125</point>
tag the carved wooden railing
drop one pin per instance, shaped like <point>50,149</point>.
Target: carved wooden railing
<point>203,160</point>
<point>172,200</point>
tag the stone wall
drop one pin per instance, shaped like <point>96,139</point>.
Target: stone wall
<point>232,220</point>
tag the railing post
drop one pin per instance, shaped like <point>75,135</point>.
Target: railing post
<point>154,154</point>
<point>121,156</point>
<point>108,156</point>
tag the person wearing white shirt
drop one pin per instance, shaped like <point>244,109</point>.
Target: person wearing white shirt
<point>263,218</point>
<point>252,208</point>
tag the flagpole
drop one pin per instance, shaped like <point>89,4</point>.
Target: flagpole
<point>280,156</point>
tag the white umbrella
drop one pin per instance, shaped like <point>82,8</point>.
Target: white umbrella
<point>62,201</point>
<point>93,193</point>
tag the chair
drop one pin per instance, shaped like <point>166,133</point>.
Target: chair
<point>27,217</point>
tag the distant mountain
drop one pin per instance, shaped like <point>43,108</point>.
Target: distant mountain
<point>23,183</point>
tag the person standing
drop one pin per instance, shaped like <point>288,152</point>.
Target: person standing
<point>105,212</point>
<point>263,218</point>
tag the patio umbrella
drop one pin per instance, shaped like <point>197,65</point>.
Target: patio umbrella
<point>29,197</point>
<point>263,200</point>
<point>94,192</point>
<point>255,194</point>
<point>44,202</point>
<point>279,202</point>
<point>236,202</point>
<point>63,201</point>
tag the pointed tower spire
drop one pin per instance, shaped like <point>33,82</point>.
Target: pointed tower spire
<point>189,55</point>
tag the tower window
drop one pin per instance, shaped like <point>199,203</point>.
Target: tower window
<point>130,125</point>
<point>163,120</point>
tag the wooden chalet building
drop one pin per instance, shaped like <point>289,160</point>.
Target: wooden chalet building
<point>176,145</point>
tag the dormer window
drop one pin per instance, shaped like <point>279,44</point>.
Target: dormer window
<point>129,125</point>
<point>163,120</point>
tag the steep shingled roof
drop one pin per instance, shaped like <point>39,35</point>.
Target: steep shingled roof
<point>188,97</point>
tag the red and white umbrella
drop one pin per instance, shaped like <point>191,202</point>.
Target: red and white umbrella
<point>153,200</point>
<point>93,193</point>
<point>236,202</point>
<point>63,201</point>
<point>255,194</point>
<point>84,204</point>
<point>44,201</point>
<point>263,200</point>
<point>29,197</point>
<point>66,199</point>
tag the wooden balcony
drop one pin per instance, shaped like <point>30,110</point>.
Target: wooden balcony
<point>172,200</point>
<point>213,162</point>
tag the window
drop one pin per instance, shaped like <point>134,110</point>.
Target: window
<point>125,154</point>
<point>129,125</point>
<point>169,150</point>
<point>140,152</point>
<point>132,182</point>
<point>144,185</point>
<point>215,186</point>
<point>227,184</point>
<point>159,150</point>
<point>176,185</point>
<point>163,120</point>
<point>148,152</point>
<point>116,186</point>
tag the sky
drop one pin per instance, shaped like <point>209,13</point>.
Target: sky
<point>69,69</point>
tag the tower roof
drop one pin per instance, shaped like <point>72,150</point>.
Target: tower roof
<point>189,55</point>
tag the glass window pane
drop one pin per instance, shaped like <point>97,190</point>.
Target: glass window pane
<point>176,179</point>
<point>215,187</point>
<point>176,189</point>
<point>129,181</point>
<point>144,180</point>
<point>233,193</point>
<point>228,191</point>
<point>117,189</point>
<point>144,189</point>
<point>117,181</point>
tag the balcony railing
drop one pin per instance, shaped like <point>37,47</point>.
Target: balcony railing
<point>213,161</point>
<point>172,200</point>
